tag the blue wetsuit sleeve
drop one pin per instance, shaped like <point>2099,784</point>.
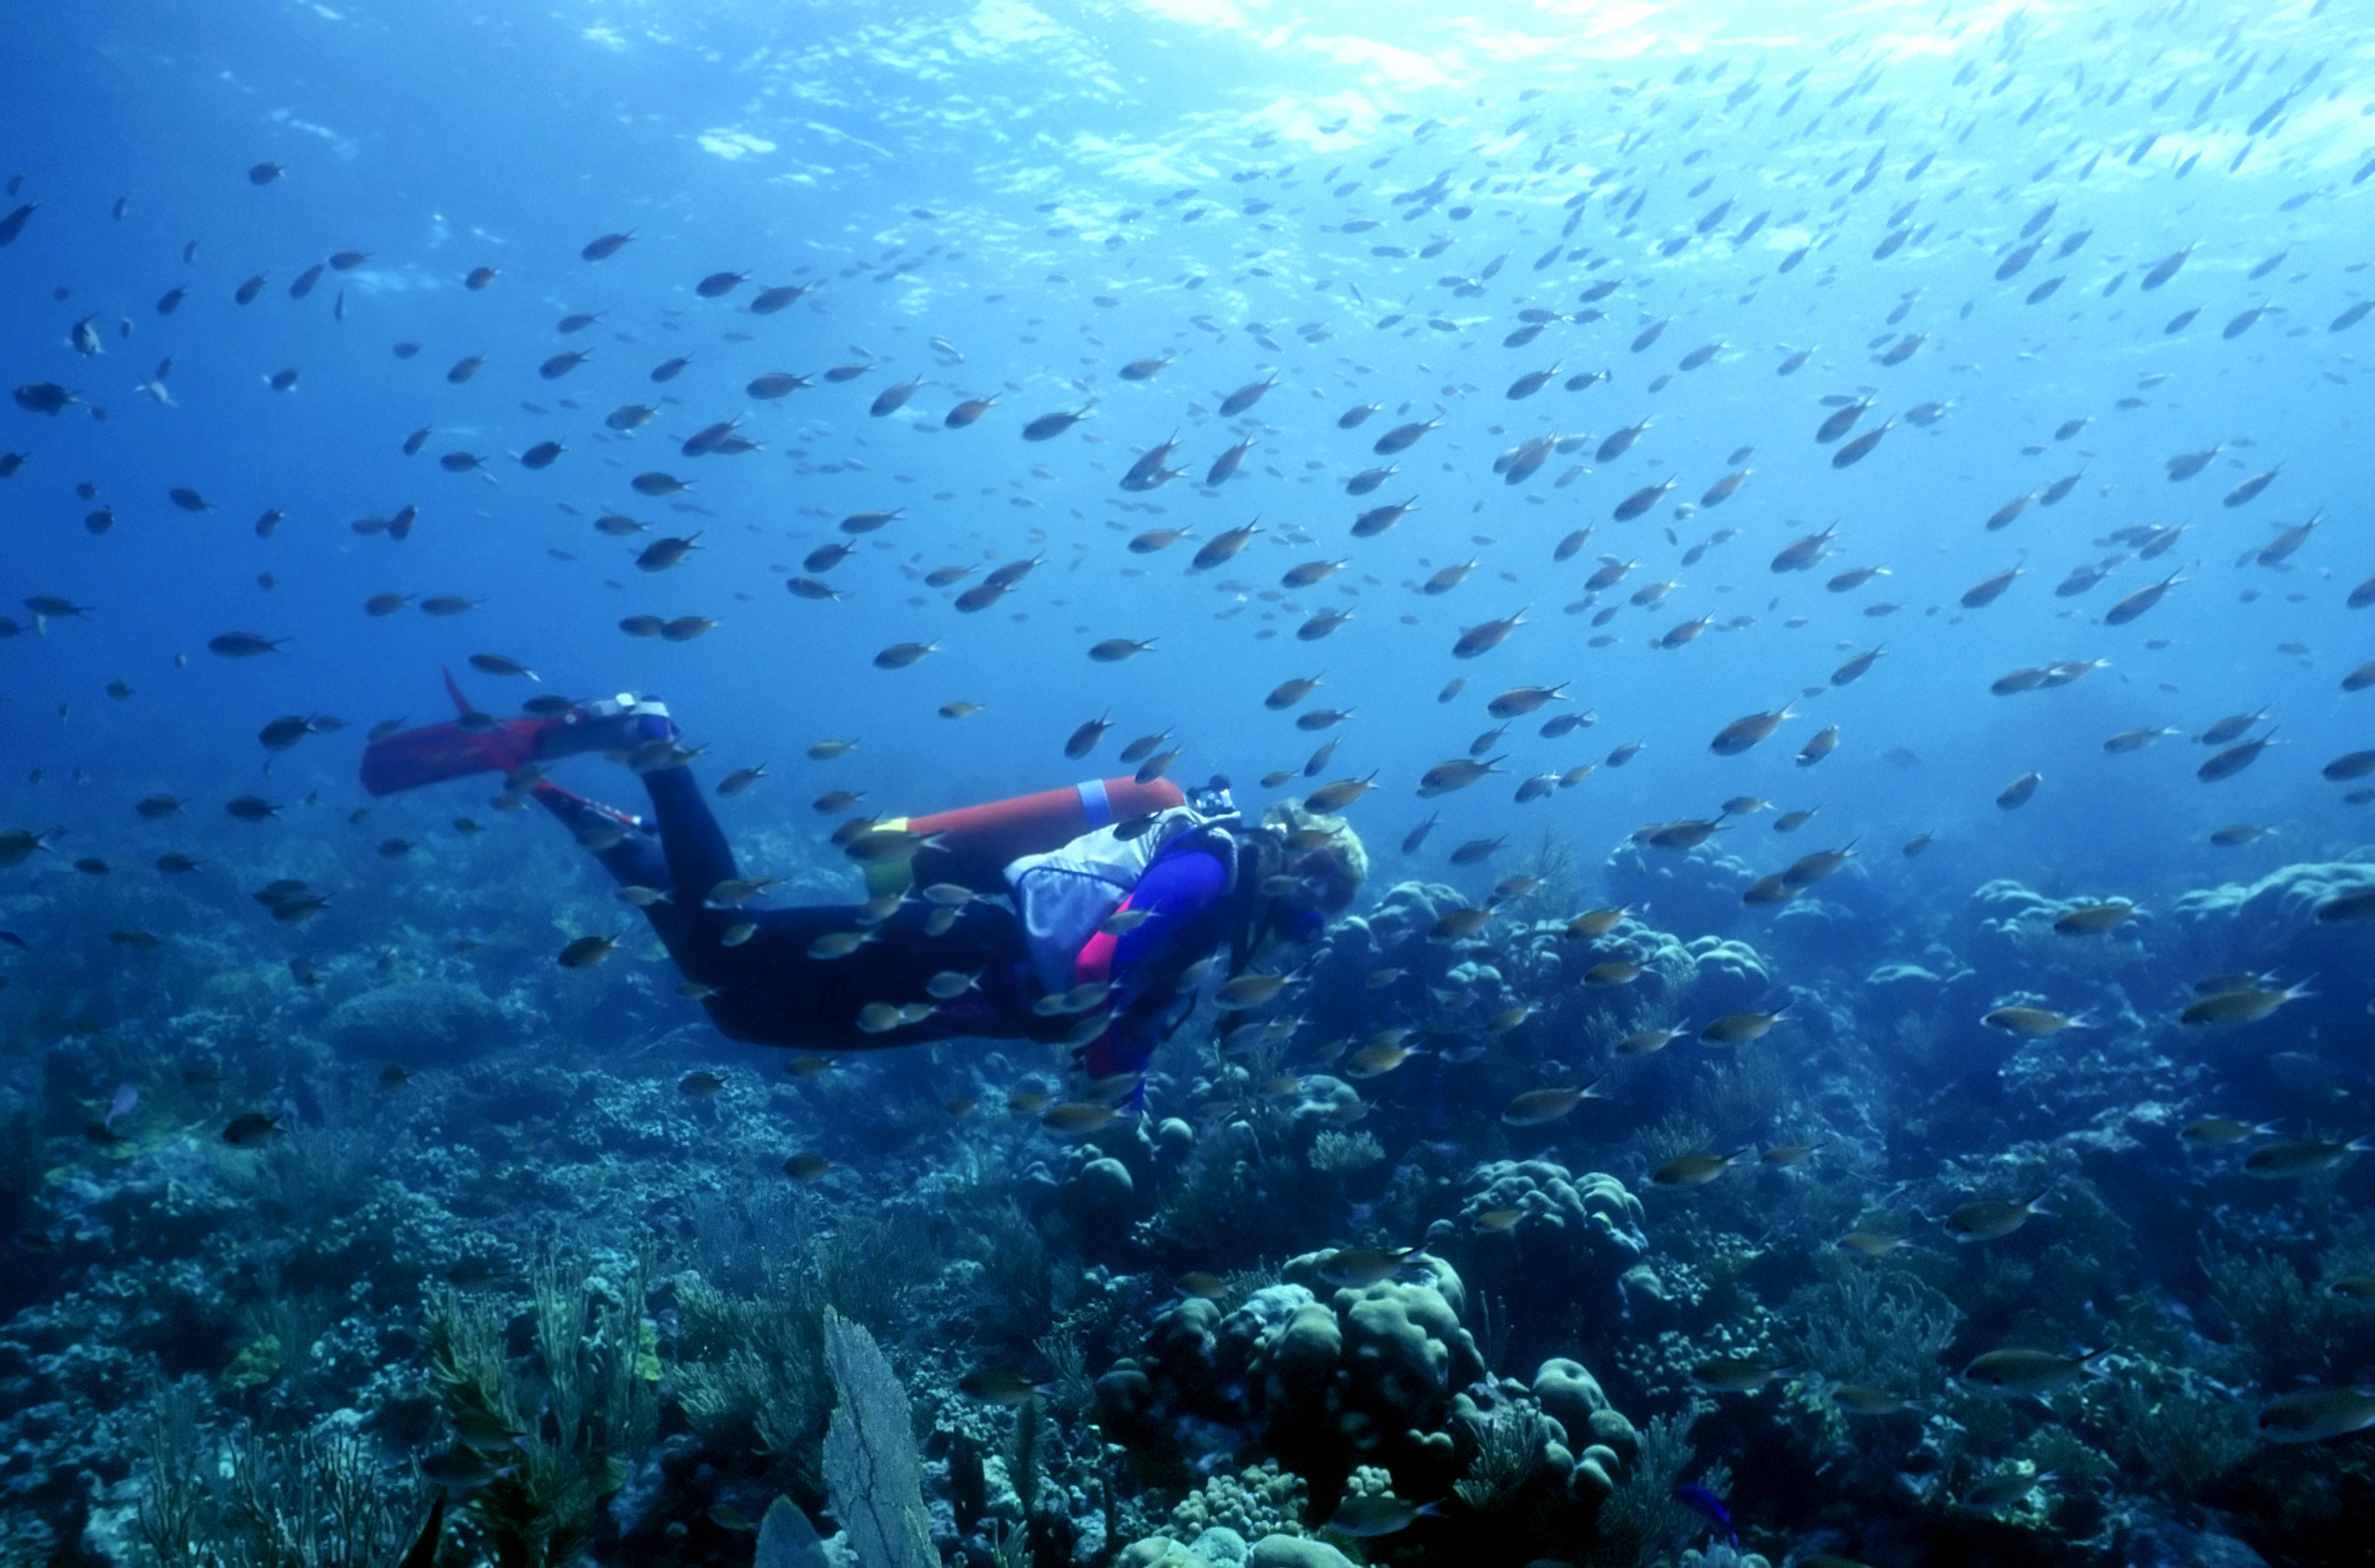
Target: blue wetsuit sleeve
<point>1182,890</point>
<point>1179,889</point>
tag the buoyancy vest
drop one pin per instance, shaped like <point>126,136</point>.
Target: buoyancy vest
<point>1059,855</point>
<point>1066,895</point>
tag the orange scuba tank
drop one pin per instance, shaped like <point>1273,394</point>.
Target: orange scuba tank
<point>977,842</point>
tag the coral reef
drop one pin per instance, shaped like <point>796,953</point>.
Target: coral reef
<point>1300,1283</point>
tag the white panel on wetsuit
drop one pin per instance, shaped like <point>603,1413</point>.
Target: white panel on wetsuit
<point>1063,896</point>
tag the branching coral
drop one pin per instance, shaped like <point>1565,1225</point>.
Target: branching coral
<point>1337,1153</point>
<point>1509,1444</point>
<point>1491,1330</point>
<point>315,1499</point>
<point>2287,1332</point>
<point>175,1509</point>
<point>751,1372</point>
<point>593,1386</point>
<point>280,1327</point>
<point>1738,1101</point>
<point>869,1263</point>
<point>1641,1518</point>
<point>1263,1501</point>
<point>2181,1436</point>
<point>1603,1027</point>
<point>1075,1392</point>
<point>312,1174</point>
<point>1671,1138</point>
<point>1873,1326</point>
<point>1228,1194</point>
<point>1019,1274</point>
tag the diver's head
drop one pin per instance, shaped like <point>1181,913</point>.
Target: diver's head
<point>1321,863</point>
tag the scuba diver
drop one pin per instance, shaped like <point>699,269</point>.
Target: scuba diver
<point>1117,894</point>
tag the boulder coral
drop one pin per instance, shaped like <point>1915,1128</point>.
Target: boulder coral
<point>1574,1238</point>
<point>1325,1378</point>
<point>1730,976</point>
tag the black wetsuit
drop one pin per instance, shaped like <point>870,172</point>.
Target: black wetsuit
<point>769,991</point>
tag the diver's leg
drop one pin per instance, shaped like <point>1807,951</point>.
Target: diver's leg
<point>693,857</point>
<point>771,990</point>
<point>698,856</point>
<point>624,845</point>
<point>755,970</point>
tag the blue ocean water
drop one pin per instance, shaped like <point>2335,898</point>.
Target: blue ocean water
<point>1958,215</point>
<point>1072,221</point>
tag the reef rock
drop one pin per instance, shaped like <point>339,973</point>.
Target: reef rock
<point>1732,976</point>
<point>1698,891</point>
<point>2272,924</point>
<point>422,1023</point>
<point>1294,1552</point>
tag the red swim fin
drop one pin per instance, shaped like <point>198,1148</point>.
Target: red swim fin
<point>437,752</point>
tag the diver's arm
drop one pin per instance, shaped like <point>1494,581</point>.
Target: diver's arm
<point>1184,891</point>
